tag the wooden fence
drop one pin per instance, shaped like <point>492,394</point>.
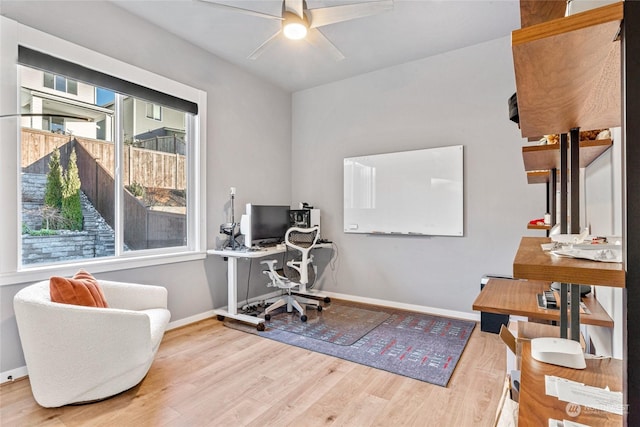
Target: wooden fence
<point>36,149</point>
<point>143,228</point>
<point>97,183</point>
<point>168,144</point>
<point>148,168</point>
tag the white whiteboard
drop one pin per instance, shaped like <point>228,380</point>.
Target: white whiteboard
<point>416,192</point>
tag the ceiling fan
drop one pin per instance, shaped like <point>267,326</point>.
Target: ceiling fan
<point>300,22</point>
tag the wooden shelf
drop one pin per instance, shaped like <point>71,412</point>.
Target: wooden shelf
<point>568,72</point>
<point>532,263</point>
<point>519,297</point>
<point>538,177</point>
<point>538,227</point>
<point>536,11</point>
<point>544,157</point>
<point>536,407</point>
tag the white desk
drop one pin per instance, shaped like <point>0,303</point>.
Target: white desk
<point>232,280</point>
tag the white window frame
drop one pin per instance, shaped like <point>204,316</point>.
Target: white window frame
<point>13,34</point>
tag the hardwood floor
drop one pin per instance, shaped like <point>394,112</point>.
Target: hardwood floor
<point>206,374</point>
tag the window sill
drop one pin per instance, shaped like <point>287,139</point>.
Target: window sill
<point>94,266</point>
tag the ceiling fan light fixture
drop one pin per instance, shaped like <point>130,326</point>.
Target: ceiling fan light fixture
<point>294,27</point>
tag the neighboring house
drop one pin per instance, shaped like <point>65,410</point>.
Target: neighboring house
<point>50,95</point>
<point>145,120</point>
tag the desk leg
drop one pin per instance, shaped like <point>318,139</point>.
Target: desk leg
<point>232,298</point>
<point>232,286</point>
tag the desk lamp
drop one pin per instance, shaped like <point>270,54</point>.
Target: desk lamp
<point>229,228</point>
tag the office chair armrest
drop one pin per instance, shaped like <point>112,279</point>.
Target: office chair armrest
<point>271,263</point>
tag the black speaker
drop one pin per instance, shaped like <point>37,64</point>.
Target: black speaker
<point>491,322</point>
<point>513,108</point>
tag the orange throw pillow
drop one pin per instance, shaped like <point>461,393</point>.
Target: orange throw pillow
<point>82,289</point>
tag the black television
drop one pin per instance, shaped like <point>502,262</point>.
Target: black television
<point>264,224</point>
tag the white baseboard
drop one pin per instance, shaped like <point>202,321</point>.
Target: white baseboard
<point>22,371</point>
<point>474,317</point>
<point>191,319</point>
<point>210,313</point>
<point>13,374</point>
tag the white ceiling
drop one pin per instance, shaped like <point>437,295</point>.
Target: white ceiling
<point>414,29</point>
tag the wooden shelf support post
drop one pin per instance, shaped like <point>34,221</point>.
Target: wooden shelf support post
<point>563,183</point>
<point>574,170</point>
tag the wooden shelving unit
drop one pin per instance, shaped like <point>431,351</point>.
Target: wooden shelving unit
<point>536,407</point>
<point>532,263</point>
<point>538,177</point>
<point>539,160</point>
<point>519,297</point>
<point>545,157</point>
<point>538,11</point>
<point>538,227</point>
<point>568,72</point>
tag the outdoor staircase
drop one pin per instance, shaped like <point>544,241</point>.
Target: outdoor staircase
<point>33,189</point>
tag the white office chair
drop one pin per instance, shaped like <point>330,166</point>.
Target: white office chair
<point>297,271</point>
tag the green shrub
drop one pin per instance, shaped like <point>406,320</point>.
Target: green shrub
<point>42,232</point>
<point>136,189</point>
<point>53,191</point>
<point>72,211</point>
<point>71,204</point>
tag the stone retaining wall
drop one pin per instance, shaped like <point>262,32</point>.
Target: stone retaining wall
<point>96,240</point>
<point>59,247</point>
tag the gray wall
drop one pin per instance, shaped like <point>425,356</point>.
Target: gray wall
<point>459,97</point>
<point>248,147</point>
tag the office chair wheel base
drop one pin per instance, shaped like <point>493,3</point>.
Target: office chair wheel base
<point>267,317</point>
<point>303,318</point>
<point>260,326</point>
<point>327,300</point>
<point>319,308</point>
<point>220,317</point>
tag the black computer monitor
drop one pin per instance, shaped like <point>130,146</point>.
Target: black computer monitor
<point>268,224</point>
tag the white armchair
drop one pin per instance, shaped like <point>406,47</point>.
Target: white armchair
<point>80,354</point>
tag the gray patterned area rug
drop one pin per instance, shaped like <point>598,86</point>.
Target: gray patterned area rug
<point>338,324</point>
<point>420,346</point>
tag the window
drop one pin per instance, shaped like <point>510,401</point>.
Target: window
<point>154,111</point>
<point>56,125</point>
<point>104,185</point>
<point>60,83</point>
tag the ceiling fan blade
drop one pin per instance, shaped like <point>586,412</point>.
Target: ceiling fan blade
<point>294,6</point>
<point>332,14</point>
<point>256,53</point>
<point>319,40</point>
<point>241,10</point>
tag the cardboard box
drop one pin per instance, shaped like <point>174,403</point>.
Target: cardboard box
<point>507,412</point>
<point>513,336</point>
<point>523,330</point>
